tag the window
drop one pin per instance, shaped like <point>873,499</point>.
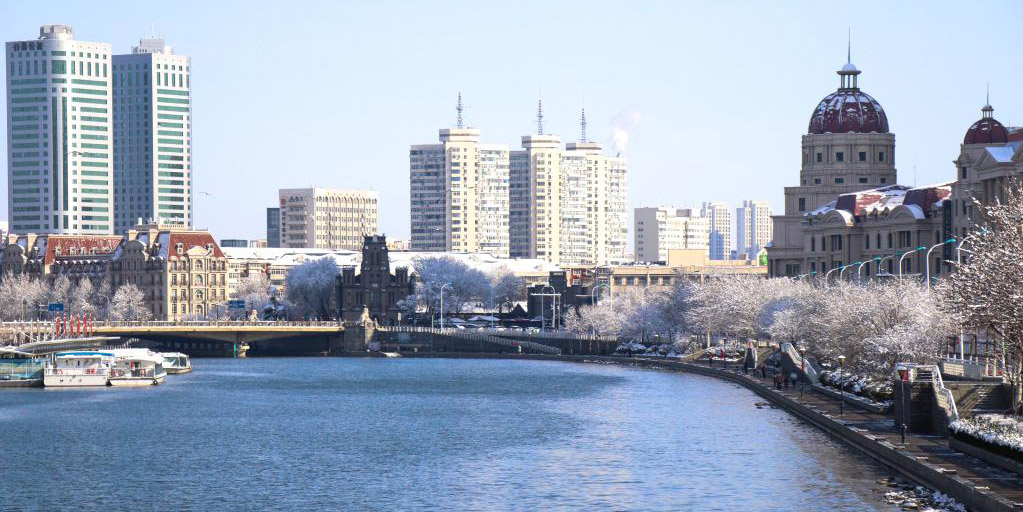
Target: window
<point>839,181</point>
<point>816,181</point>
<point>878,240</point>
<point>813,244</point>
<point>905,238</point>
<point>884,180</point>
<point>802,204</point>
<point>880,156</point>
<point>962,173</point>
<point>824,246</point>
<point>866,242</point>
<point>889,240</point>
<point>863,156</point>
<point>840,157</point>
<point>863,180</point>
<point>820,157</point>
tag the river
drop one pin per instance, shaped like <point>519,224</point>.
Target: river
<point>420,434</point>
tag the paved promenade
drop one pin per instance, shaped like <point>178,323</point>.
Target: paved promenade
<point>1002,490</point>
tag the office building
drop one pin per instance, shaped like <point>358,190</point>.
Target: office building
<point>663,229</point>
<point>325,218</point>
<point>152,136</point>
<point>59,147</point>
<point>273,227</point>
<point>753,228</point>
<point>719,217</point>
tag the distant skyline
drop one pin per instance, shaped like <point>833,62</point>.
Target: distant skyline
<point>713,96</point>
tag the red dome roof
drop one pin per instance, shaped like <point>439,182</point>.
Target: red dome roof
<point>848,110</point>
<point>987,130</point>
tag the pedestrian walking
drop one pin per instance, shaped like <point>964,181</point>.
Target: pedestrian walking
<point>778,378</point>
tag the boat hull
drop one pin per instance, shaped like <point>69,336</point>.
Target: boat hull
<point>125,382</point>
<point>176,371</point>
<point>21,383</point>
<point>58,381</point>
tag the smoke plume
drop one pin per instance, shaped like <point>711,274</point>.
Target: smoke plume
<point>621,124</point>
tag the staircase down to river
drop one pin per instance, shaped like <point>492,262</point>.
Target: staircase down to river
<point>973,398</point>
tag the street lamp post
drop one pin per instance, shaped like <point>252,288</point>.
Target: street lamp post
<point>928,263</point>
<point>442,303</point>
<point>841,388</point>
<point>959,262</point>
<point>842,269</point>
<point>903,376</point>
<point>802,368</point>
<point>859,270</point>
<point>907,253</point>
<point>880,261</point>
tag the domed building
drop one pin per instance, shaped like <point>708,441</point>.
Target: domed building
<point>848,147</point>
<point>989,155</point>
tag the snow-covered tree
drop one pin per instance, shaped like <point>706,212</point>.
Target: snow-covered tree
<point>466,284</point>
<point>129,303</point>
<point>311,288</point>
<point>60,291</point>
<point>256,291</point>
<point>20,296</point>
<point>507,288</point>
<point>82,301</point>
<point>985,291</point>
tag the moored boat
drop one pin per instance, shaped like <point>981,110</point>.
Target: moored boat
<point>78,368</point>
<point>136,367</point>
<point>176,362</point>
<point>19,369</point>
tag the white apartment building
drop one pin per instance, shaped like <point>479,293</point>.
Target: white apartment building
<point>754,228</point>
<point>326,218</point>
<point>662,229</point>
<point>568,206</point>
<point>152,136</point>
<point>459,194</point>
<point>59,128</point>
<point>719,215</point>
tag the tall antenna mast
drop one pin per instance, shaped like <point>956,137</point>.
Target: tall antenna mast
<point>459,108</point>
<point>848,50</point>
<point>539,117</point>
<point>582,126</point>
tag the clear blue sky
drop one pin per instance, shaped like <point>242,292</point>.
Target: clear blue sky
<point>331,94</point>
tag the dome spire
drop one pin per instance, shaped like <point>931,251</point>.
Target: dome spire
<point>988,111</point>
<point>847,75</point>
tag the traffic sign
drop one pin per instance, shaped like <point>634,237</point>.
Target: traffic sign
<point>236,304</point>
<point>55,307</point>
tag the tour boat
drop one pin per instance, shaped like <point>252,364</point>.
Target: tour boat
<point>78,368</point>
<point>176,362</point>
<point>136,367</point>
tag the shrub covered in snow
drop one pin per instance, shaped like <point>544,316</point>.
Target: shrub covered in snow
<point>878,390</point>
<point>996,429</point>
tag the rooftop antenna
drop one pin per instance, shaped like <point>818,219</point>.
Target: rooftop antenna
<point>539,117</point>
<point>459,108</point>
<point>987,97</point>
<point>848,50</point>
<point>582,126</point>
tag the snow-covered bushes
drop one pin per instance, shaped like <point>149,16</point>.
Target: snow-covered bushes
<point>993,429</point>
<point>876,389</point>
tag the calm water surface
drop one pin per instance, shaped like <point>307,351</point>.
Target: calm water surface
<point>420,434</point>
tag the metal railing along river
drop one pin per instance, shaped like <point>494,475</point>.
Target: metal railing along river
<point>477,336</point>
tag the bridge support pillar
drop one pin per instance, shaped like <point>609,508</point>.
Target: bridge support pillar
<point>354,339</point>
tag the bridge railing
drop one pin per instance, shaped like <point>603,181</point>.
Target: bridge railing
<point>553,335</point>
<point>478,336</point>
<point>211,323</point>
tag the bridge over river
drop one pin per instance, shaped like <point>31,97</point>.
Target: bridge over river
<point>239,338</point>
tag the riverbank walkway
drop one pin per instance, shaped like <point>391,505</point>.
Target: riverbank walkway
<point>930,449</point>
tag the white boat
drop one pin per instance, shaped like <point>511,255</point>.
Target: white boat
<point>78,368</point>
<point>176,362</point>
<point>136,367</point>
